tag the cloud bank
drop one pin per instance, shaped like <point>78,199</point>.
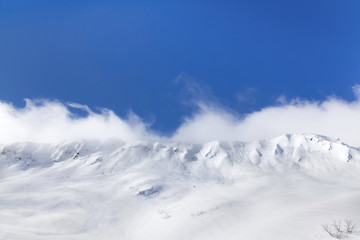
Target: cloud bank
<point>52,121</point>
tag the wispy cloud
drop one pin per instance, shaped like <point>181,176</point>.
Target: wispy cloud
<point>192,91</point>
<point>52,121</point>
<point>248,96</point>
<point>356,90</point>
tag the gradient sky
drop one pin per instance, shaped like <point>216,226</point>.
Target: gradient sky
<point>156,57</point>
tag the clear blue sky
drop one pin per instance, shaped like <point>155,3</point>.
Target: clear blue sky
<point>128,54</point>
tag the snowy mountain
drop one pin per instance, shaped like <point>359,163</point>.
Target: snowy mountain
<point>283,188</point>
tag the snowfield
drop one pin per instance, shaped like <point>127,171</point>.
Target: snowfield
<point>283,188</point>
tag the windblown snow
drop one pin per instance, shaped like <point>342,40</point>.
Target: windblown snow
<point>283,188</point>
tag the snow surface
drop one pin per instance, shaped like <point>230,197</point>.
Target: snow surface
<point>283,188</point>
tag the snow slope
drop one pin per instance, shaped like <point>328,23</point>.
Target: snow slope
<point>283,188</point>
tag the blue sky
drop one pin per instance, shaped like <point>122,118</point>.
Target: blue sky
<point>156,57</point>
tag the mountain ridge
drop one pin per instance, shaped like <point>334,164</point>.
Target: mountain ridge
<point>283,188</point>
<point>293,149</point>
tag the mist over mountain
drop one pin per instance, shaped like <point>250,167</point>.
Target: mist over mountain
<point>48,121</point>
<point>179,120</point>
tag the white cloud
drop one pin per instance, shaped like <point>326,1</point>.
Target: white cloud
<point>334,117</point>
<point>51,121</point>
